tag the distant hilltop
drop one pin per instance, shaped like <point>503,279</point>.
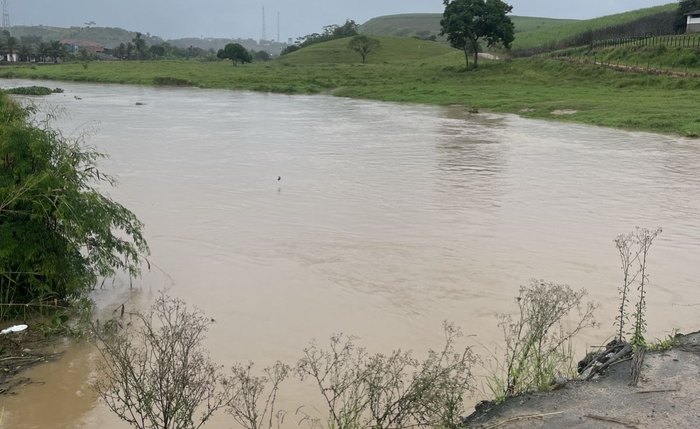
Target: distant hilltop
<point>111,37</point>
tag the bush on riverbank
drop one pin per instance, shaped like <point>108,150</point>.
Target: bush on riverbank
<point>58,233</point>
<point>33,90</point>
<point>161,355</point>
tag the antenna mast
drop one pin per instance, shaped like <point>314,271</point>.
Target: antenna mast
<point>264,36</point>
<point>5,16</point>
<point>278,27</point>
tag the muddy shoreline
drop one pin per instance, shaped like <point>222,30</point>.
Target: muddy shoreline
<point>666,396</point>
<point>667,393</point>
<point>22,351</point>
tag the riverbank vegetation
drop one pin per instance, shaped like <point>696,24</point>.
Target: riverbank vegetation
<point>537,342</point>
<point>576,82</point>
<point>58,232</point>
<point>156,372</point>
<point>410,70</point>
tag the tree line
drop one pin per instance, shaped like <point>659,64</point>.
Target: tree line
<point>35,49</point>
<point>330,32</point>
<point>138,49</point>
<point>31,48</point>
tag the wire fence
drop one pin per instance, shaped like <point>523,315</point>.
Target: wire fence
<point>645,67</point>
<point>685,41</point>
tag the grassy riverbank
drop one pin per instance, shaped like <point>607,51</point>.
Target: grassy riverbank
<point>535,88</point>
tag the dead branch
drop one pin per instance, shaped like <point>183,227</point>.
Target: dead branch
<point>612,420</point>
<point>637,362</point>
<point>604,359</point>
<point>677,389</point>
<point>520,418</point>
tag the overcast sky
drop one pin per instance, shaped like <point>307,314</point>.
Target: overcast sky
<point>243,18</point>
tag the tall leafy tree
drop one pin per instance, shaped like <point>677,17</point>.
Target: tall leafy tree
<point>261,55</point>
<point>467,22</point>
<point>139,46</point>
<point>236,53</point>
<point>364,46</point>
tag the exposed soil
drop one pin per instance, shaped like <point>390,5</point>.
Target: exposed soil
<point>19,351</point>
<point>667,396</point>
<point>563,112</point>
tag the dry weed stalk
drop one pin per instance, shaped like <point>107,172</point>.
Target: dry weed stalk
<point>391,391</point>
<point>157,375</point>
<point>538,341</point>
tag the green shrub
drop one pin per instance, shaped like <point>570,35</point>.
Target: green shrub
<point>30,90</point>
<point>58,233</point>
<point>538,339</point>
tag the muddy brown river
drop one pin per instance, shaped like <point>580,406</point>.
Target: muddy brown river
<point>387,219</point>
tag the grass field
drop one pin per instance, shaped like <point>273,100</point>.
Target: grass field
<point>669,53</point>
<point>391,50</point>
<point>530,87</point>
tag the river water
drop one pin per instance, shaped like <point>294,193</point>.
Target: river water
<point>387,219</point>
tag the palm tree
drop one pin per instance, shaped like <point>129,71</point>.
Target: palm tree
<point>44,51</point>
<point>57,50</point>
<point>11,44</point>
<point>139,46</point>
<point>25,52</point>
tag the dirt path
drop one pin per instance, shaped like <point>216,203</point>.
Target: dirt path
<point>667,396</point>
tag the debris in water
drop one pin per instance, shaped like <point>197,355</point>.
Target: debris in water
<point>13,329</point>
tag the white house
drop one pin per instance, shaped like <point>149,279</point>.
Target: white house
<point>693,25</point>
<point>10,58</point>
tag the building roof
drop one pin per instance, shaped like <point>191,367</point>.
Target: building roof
<point>694,12</point>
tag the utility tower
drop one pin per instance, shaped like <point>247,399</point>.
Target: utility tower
<point>5,16</point>
<point>264,36</point>
<point>278,27</point>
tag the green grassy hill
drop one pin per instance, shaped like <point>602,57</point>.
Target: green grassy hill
<point>554,32</point>
<point>530,31</point>
<point>424,25</point>
<point>107,36</point>
<point>405,25</point>
<point>392,50</point>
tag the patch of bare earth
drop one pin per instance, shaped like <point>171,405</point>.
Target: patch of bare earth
<point>666,396</point>
<point>563,112</point>
<point>19,352</point>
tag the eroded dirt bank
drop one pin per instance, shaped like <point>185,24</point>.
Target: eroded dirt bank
<point>667,396</point>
